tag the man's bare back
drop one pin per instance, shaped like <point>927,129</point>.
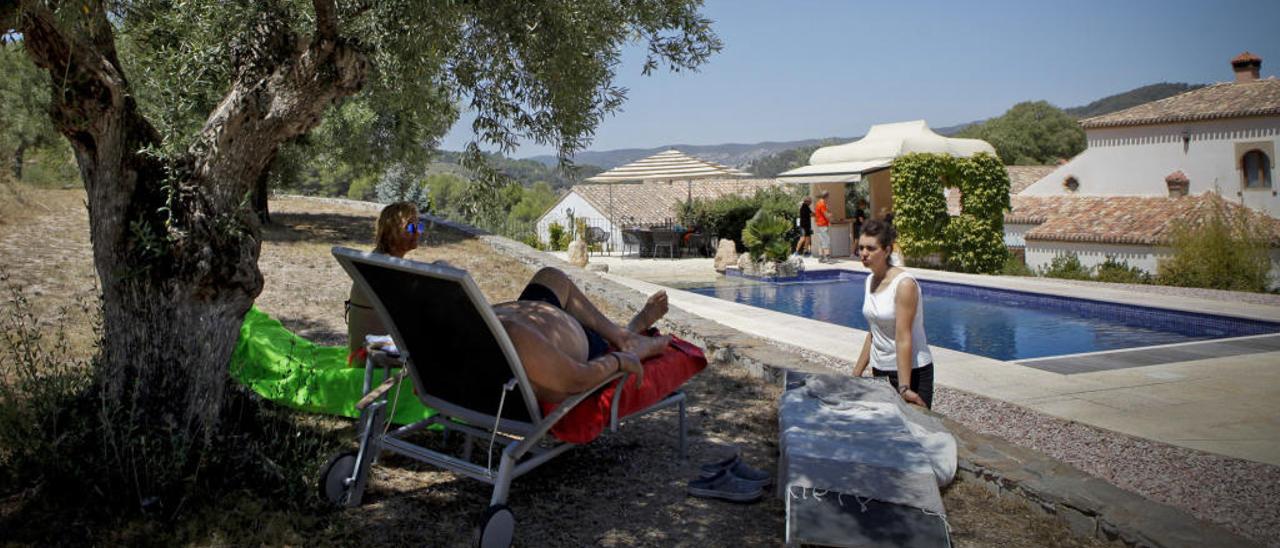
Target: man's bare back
<point>552,341</point>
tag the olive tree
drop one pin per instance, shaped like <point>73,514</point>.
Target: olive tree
<point>176,110</point>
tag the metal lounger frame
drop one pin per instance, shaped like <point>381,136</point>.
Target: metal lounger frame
<point>522,440</point>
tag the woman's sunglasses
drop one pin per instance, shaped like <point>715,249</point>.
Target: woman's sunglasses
<point>415,227</point>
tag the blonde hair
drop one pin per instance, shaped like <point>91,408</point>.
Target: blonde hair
<point>393,220</point>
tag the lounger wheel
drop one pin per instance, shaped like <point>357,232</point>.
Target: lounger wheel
<point>497,527</point>
<point>336,478</point>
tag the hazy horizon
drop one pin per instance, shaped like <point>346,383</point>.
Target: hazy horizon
<point>808,69</point>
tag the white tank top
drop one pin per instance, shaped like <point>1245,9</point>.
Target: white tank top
<point>879,310</point>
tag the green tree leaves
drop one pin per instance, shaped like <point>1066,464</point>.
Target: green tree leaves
<point>1030,133</point>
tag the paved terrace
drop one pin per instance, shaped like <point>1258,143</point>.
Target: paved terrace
<point>1219,399</point>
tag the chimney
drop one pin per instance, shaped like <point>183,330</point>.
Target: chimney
<point>1178,184</point>
<point>1246,66</point>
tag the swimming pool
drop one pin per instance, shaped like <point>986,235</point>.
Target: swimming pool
<point>997,323</point>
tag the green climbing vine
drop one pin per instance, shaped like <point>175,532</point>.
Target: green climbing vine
<point>919,207</point>
<point>971,242</point>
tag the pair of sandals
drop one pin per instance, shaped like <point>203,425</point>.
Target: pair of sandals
<point>730,479</point>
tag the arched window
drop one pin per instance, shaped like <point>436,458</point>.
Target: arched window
<point>1257,169</point>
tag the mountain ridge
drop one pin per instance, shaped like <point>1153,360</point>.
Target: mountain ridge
<point>741,154</point>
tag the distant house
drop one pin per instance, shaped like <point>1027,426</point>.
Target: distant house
<point>653,202</point>
<point>1152,167</point>
<point>1220,138</point>
<point>1135,229</point>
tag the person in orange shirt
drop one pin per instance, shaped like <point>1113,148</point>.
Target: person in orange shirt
<point>822,227</point>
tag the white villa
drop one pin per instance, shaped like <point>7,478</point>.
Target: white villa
<point>1152,167</point>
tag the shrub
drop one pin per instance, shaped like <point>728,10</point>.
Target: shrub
<point>1115,271</point>
<point>1066,266</point>
<point>727,216</point>
<point>531,239</point>
<point>919,206</point>
<point>765,237</point>
<point>1013,266</point>
<point>556,240</point>
<point>974,241</point>
<point>1227,250</point>
<point>971,245</point>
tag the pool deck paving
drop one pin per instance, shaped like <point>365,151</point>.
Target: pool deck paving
<point>1224,402</point>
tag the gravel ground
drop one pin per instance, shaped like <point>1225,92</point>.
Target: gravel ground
<point>1237,494</point>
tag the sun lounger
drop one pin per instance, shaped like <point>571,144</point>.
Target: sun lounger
<point>463,365</point>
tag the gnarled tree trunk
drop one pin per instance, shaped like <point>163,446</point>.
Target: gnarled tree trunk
<point>176,241</point>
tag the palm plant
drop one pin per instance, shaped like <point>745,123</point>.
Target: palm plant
<point>765,237</point>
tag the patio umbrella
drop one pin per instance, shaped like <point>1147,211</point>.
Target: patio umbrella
<point>668,165</point>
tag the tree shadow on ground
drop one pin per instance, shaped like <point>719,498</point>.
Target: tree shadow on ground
<point>318,227</point>
<point>320,333</point>
<point>338,227</point>
<point>625,488</point>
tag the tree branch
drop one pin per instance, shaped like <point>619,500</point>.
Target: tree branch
<point>326,20</point>
<point>258,114</point>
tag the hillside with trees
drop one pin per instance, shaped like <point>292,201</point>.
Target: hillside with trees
<point>1029,133</point>
<point>1131,98</point>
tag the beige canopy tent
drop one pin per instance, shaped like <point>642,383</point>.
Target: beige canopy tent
<point>669,165</point>
<point>868,160</point>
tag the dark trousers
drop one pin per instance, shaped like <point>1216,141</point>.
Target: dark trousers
<point>921,382</point>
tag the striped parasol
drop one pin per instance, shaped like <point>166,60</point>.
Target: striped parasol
<point>668,165</point>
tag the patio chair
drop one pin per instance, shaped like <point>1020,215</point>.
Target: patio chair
<point>697,243</point>
<point>646,242</point>
<point>463,365</point>
<point>597,236</point>
<point>630,240</point>
<point>664,238</point>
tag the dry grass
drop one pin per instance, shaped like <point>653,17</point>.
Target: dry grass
<point>624,489</point>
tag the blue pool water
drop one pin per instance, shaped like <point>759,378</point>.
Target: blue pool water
<point>997,323</point>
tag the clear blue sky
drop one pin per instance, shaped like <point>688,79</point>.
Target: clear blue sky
<point>806,69</point>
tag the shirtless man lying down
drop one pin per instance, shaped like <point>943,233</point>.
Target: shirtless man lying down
<point>563,340</point>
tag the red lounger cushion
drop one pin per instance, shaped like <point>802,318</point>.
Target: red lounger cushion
<point>662,375</point>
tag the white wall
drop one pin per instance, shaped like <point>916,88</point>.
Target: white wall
<point>1041,253</point>
<point>1014,233</point>
<point>1135,161</point>
<point>581,209</point>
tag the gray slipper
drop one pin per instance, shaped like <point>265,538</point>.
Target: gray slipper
<point>726,486</point>
<point>737,467</point>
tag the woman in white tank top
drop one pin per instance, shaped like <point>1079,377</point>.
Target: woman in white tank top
<point>895,346</point>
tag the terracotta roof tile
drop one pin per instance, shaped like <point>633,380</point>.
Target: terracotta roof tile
<point>655,202</point>
<point>1246,57</point>
<point>1141,220</point>
<point>1229,100</point>
<point>1021,177</point>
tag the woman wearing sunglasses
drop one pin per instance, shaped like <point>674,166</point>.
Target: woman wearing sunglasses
<point>398,232</point>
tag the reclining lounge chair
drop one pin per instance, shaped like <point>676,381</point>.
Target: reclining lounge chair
<point>463,365</point>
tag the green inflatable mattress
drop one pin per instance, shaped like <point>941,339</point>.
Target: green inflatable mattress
<point>290,370</point>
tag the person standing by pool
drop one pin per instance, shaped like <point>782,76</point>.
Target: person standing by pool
<point>805,222</point>
<point>822,227</point>
<point>895,346</point>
